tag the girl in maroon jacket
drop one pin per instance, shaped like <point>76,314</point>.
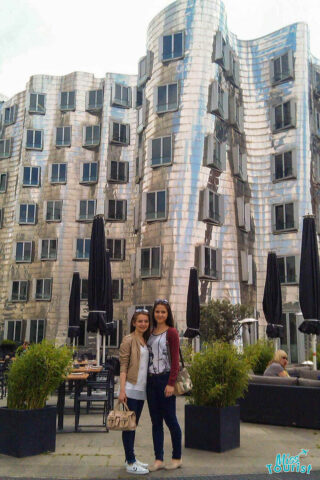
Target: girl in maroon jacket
<point>163,346</point>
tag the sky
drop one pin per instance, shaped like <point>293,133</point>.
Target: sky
<point>56,37</point>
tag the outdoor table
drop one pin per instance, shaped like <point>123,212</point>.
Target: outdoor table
<point>79,380</point>
<point>85,362</point>
<point>87,369</point>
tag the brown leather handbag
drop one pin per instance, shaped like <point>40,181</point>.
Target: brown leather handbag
<point>122,420</point>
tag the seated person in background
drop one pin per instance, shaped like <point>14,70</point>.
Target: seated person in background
<point>277,366</point>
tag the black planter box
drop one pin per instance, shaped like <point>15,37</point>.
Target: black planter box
<point>27,432</point>
<point>210,428</point>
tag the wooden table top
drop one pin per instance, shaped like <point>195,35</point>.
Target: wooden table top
<point>87,369</point>
<point>73,376</point>
<point>85,362</point>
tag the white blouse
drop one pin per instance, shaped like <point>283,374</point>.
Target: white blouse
<point>138,391</point>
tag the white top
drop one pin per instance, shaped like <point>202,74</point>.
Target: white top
<point>159,355</point>
<point>138,391</point>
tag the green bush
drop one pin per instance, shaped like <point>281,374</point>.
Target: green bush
<point>9,345</point>
<point>219,376</point>
<point>259,355</point>
<point>36,374</point>
<point>318,356</point>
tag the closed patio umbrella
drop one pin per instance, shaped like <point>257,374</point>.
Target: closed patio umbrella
<point>97,286</point>
<point>74,308</point>
<point>193,306</point>
<point>272,300</point>
<point>109,305</point>
<point>309,283</point>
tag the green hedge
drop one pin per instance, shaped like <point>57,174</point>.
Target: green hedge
<point>259,355</point>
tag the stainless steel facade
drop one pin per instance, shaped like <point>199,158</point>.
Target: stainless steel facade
<point>241,172</point>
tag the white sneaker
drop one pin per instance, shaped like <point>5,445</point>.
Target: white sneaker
<point>143,465</point>
<point>136,469</point>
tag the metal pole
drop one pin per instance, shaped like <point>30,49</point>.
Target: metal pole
<point>314,351</point>
<point>98,349</point>
<point>103,349</point>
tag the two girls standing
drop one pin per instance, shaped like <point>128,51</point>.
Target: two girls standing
<point>149,365</point>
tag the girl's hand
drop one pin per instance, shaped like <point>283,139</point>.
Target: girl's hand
<point>168,391</point>
<point>122,397</point>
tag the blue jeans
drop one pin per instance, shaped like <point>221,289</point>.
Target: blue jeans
<point>163,408</point>
<point>129,436</point>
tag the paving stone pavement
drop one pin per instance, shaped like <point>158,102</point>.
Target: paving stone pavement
<point>93,454</point>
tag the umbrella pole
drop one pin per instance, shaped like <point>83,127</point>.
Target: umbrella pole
<point>74,342</point>
<point>103,349</point>
<point>98,349</point>
<point>314,351</point>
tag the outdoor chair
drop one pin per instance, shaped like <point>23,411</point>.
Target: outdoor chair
<point>98,391</point>
<point>3,387</point>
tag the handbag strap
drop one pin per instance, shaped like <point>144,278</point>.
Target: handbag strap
<point>124,405</point>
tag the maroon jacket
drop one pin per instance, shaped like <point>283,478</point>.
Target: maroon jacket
<point>173,342</point>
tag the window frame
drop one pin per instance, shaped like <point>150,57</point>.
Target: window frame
<point>64,143</point>
<point>282,153</point>
<point>88,182</point>
<point>210,159</point>
<point>205,210</point>
<point>48,258</point>
<point>13,109</point>
<point>86,219</point>
<point>295,227</point>
<point>36,110</point>
<point>292,123</point>
<point>172,58</point>
<point>118,333</point>
<point>162,163</point>
<point>54,202</point>
<point>107,210</point>
<point>296,269</point>
<point>35,213</point>
<point>49,281</point>
<point>7,147</point>
<point>126,171</point>
<point>112,250</point>
<point>67,107</point>
<point>120,289</point>
<point>23,259</point>
<point>5,176</point>
<point>96,107</point>
<point>34,130</point>
<point>31,167</point>
<point>203,272</point>
<point>150,274</point>
<point>156,217</point>
<point>142,79</point>
<point>119,102</point>
<point>84,240</point>
<point>6,328</point>
<point>19,300</point>
<point>28,329</point>
<point>117,141</point>
<point>82,297</point>
<point>58,182</point>
<point>174,107</point>
<point>290,73</point>
<point>239,167</point>
<point>93,143</point>
<point>218,101</point>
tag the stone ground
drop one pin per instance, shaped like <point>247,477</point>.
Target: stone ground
<point>94,454</point>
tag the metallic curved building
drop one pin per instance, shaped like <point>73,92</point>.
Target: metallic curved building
<point>208,157</point>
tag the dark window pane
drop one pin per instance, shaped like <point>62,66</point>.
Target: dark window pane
<point>125,95</point>
<point>177,49</point>
<point>67,135</point>
<point>117,249</point>
<point>279,217</point>
<point>47,288</point>
<point>23,290</point>
<point>34,176</point>
<point>119,210</point>
<point>151,205</point>
<point>54,173</point>
<point>207,261</point>
<point>29,138</point>
<point>286,114</point>
<point>26,175</point>
<point>139,99</point>
<point>162,98</point>
<point>167,47</point>
<point>278,167</point>
<point>94,171</point>
<point>123,134</point>
<point>17,336</point>
<point>285,66</point>
<point>92,98</point>
<point>112,209</point>
<point>44,249</point>
<point>288,170</point>
<point>122,170</point>
<point>27,251</point>
<point>87,248</point>
<point>161,204</point>
<point>39,288</point>
<point>83,209</point>
<point>19,251</point>
<point>82,334</point>
<point>115,134</point>
<point>281,268</point>
<point>33,331</point>
<point>166,150</point>
<point>291,269</point>
<point>40,330</point>
<point>10,334</point>
<point>155,261</point>
<point>110,248</point>
<point>277,69</point>
<point>278,117</point>
<point>99,98</point>
<point>88,135</point>
<point>23,213</point>
<point>114,171</point>
<point>31,214</point>
<point>33,102</point>
<point>156,151</point>
<point>117,92</point>
<point>59,135</point>
<point>64,99</point>
<point>79,253</point>
<point>91,205</point>
<point>38,139</point>
<point>115,290</point>
<point>53,249</point>
<point>85,174</point>
<point>172,96</point>
<point>15,290</point>
<point>145,260</point>
<point>84,289</point>
<point>213,266</point>
<point>289,215</point>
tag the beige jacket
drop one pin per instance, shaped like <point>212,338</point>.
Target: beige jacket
<point>130,357</point>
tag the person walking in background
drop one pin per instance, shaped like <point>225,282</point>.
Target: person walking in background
<point>163,370</point>
<point>134,359</point>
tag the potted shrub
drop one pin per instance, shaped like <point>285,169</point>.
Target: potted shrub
<point>212,419</point>
<point>27,425</point>
<point>8,347</point>
<point>259,355</point>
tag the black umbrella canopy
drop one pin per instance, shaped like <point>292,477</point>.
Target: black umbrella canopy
<point>74,307</point>
<point>272,300</point>
<point>309,283</point>
<point>109,301</point>
<point>193,306</point>
<point>97,288</point>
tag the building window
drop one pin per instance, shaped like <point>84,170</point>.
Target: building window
<point>218,55</point>
<point>144,68</point>
<point>83,249</point>
<point>167,98</point>
<point>121,95</point>
<point>94,100</point>
<point>284,116</point>
<point>34,139</point>
<point>37,103</point>
<point>156,205</point>
<point>13,330</point>
<point>84,289</point>
<point>317,83</point>
<point>150,262</point>
<point>43,289</point>
<point>212,207</point>
<point>117,289</point>
<point>235,113</point>
<point>231,65</point>
<point>114,340</point>
<point>5,148</point>
<point>246,267</point>
<point>91,136</point>
<point>239,163</point>
<point>87,210</point>
<point>172,46</point>
<point>317,122</point>
<point>161,151</point>
<point>218,101</point>
<point>282,67</point>
<point>68,101</point>
<point>244,215</point>
<point>58,173</point>
<point>284,166</point>
<point>31,176</point>
<point>10,114</point>
<point>287,269</point>
<point>23,252</point>
<point>89,172</point>
<point>141,117</point>
<point>36,331</point>
<point>116,248</point>
<point>209,262</point>
<point>1,217</point>
<point>27,214</point>
<point>284,217</point>
<point>215,153</point>
<point>116,210</point>
<point>118,172</point>
<point>19,291</point>
<point>49,249</point>
<point>54,211</point>
<point>63,137</point>
<point>3,182</point>
<point>120,133</point>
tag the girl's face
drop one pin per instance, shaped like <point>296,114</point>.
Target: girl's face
<point>141,323</point>
<point>160,314</point>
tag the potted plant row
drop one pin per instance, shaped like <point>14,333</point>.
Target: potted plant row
<point>212,419</point>
<point>27,425</point>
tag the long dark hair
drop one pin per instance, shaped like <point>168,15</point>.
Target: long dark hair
<point>165,303</point>
<point>136,314</point>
